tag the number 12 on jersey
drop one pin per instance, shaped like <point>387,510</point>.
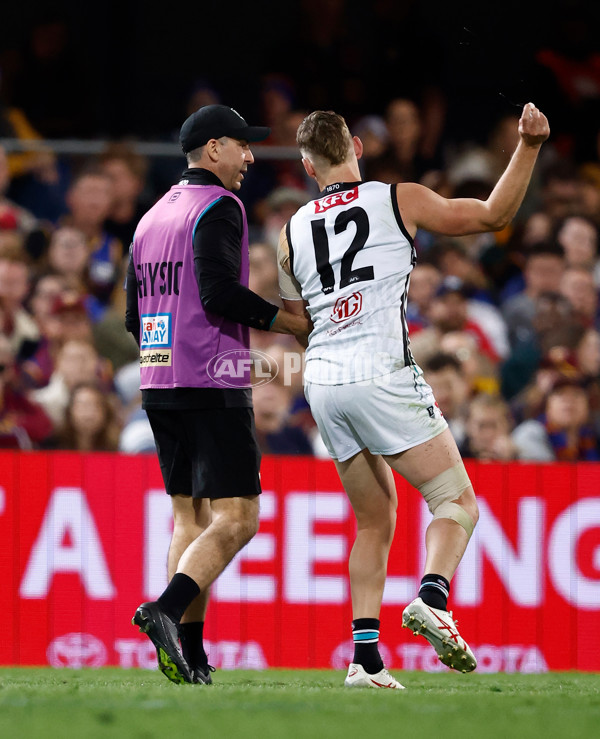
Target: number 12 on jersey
<point>348,276</point>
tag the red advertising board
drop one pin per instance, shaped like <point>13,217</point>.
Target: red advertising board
<point>85,538</point>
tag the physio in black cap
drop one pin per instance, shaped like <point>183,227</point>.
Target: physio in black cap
<point>203,428</point>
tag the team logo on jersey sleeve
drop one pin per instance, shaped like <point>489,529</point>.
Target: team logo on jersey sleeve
<point>346,308</point>
<point>337,198</point>
<point>155,343</point>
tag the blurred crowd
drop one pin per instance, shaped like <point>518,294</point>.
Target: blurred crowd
<point>506,326</point>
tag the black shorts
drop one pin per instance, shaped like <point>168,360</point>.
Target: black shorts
<point>207,452</point>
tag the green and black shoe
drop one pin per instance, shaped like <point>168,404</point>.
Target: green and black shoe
<point>162,632</point>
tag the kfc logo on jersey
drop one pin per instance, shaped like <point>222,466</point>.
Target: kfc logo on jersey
<point>346,308</point>
<point>338,198</point>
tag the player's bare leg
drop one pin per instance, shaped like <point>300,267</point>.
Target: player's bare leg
<point>370,487</point>
<point>446,541</point>
<point>369,484</point>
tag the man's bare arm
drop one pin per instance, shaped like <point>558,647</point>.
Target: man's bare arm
<point>289,289</point>
<point>423,208</point>
<point>294,318</point>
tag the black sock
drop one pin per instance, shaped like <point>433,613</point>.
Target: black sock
<point>365,634</point>
<point>434,591</point>
<point>178,594</point>
<point>192,645</point>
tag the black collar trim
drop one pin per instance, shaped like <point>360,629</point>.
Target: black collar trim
<point>199,176</point>
<point>339,187</point>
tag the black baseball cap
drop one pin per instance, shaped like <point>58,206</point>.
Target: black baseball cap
<point>214,121</point>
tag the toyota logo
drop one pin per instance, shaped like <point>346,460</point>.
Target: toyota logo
<point>76,650</point>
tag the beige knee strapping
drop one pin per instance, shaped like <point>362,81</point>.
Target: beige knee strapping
<point>445,488</point>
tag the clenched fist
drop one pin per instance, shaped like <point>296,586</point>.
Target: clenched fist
<point>533,126</point>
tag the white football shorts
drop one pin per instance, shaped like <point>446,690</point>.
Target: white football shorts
<point>385,415</point>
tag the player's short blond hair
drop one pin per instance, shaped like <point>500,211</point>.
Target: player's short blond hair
<point>324,135</point>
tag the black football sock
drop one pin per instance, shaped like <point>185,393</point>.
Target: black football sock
<point>192,644</point>
<point>365,634</point>
<point>434,591</point>
<point>178,594</point>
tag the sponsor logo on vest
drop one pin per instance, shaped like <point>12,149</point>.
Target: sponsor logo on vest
<point>174,197</point>
<point>242,368</point>
<point>153,356</point>
<point>156,331</point>
<point>338,198</point>
<point>346,308</point>
<point>76,650</point>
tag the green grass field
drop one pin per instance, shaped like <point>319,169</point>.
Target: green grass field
<point>138,704</point>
